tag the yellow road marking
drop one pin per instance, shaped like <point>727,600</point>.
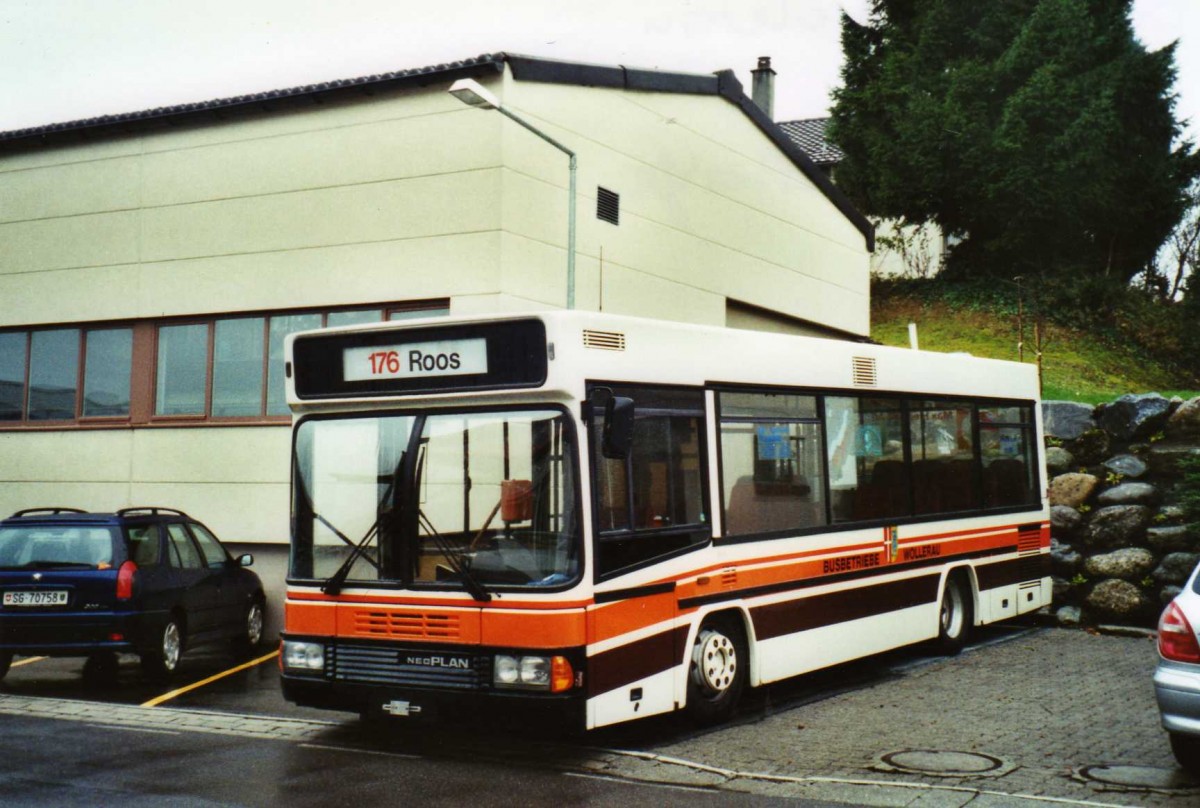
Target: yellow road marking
<point>19,662</point>
<point>154,702</point>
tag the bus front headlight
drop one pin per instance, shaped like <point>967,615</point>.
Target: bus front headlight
<point>530,672</point>
<point>303,657</point>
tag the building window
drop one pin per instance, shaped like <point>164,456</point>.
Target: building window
<point>218,369</point>
<point>108,359</point>
<point>182,371</point>
<point>53,374</point>
<point>237,386</point>
<point>13,353</point>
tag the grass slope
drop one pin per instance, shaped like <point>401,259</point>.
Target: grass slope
<point>1076,366</point>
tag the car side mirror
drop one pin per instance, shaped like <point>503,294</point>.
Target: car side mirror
<point>245,560</point>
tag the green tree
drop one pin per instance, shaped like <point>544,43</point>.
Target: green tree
<point>1040,133</point>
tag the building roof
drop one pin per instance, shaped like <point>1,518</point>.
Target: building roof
<point>809,135</point>
<point>524,68</point>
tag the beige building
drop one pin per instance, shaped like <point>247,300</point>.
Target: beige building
<point>150,263</point>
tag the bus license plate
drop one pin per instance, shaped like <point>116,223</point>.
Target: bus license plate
<point>52,598</point>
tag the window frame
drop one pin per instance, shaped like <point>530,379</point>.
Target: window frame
<point>612,536</point>
<point>903,399</point>
<point>144,366</point>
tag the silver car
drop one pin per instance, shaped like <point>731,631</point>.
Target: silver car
<point>1177,678</point>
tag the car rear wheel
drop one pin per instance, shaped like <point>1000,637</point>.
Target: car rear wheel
<point>162,659</point>
<point>1186,749</point>
<point>252,629</point>
<point>5,663</point>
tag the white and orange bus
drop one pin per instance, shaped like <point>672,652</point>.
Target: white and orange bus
<point>604,518</point>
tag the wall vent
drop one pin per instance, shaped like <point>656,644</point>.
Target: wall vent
<point>862,371</point>
<point>608,205</point>
<point>603,340</point>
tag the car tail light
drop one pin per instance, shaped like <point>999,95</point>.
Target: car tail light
<point>125,576</point>
<point>1176,640</point>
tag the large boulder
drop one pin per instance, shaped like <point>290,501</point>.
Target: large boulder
<point>1064,520</point>
<point>1064,560</point>
<point>1176,567</point>
<point>1126,465</point>
<point>1135,416</point>
<point>1066,420</point>
<point>1128,564</point>
<point>1072,489</point>
<point>1129,494</point>
<point>1119,600</point>
<point>1185,422</point>
<point>1091,447</point>
<point>1163,458</point>
<point>1059,460</point>
<point>1116,526</point>
<point>1168,538</point>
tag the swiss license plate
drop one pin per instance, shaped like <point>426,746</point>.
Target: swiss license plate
<point>56,597</point>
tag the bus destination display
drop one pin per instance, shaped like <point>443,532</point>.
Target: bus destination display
<point>425,359</point>
<point>415,360</point>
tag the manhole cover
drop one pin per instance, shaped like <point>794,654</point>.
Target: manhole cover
<point>942,763</point>
<point>1138,777</point>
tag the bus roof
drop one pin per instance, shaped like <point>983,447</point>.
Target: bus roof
<point>581,346</point>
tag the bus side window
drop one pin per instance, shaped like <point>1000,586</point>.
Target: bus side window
<point>771,464</point>
<point>868,473</point>
<point>652,503</point>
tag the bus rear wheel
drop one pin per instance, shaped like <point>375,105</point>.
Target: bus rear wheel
<point>717,674</point>
<point>954,616</point>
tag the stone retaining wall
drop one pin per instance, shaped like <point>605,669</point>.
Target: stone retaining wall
<point>1121,542</point>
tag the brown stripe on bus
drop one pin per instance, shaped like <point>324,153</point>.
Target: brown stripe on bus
<point>628,663</point>
<point>801,614</point>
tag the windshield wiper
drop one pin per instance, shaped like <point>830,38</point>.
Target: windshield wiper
<point>333,584</point>
<point>452,556</point>
<point>455,558</point>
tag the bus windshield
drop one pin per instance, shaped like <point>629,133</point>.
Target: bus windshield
<point>474,500</point>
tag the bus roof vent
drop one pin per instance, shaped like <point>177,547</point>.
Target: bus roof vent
<point>862,371</point>
<point>603,340</point>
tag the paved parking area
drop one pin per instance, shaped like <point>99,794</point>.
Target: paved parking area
<point>1034,716</point>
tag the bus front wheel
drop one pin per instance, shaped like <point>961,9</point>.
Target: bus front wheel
<point>717,674</point>
<point>954,616</point>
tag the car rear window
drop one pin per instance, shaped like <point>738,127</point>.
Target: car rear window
<point>56,546</point>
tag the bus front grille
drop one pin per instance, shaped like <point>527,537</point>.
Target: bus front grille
<point>422,667</point>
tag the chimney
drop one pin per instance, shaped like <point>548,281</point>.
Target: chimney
<point>763,86</point>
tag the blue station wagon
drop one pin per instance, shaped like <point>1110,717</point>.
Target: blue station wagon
<point>148,581</point>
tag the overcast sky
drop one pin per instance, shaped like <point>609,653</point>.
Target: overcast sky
<point>64,60</point>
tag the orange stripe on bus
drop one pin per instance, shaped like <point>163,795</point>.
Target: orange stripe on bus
<point>534,630</point>
<point>309,618</point>
<point>623,616</point>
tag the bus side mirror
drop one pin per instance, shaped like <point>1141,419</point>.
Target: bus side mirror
<point>617,440</point>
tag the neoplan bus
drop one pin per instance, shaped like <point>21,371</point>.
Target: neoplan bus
<point>602,518</point>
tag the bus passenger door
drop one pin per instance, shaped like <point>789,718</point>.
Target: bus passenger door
<point>650,508</point>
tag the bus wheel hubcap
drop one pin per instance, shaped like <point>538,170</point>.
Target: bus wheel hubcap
<point>715,662</point>
<point>952,611</point>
